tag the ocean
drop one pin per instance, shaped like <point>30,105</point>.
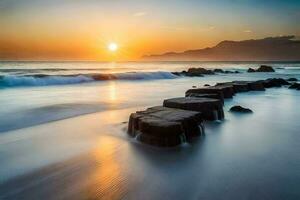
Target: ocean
<point>54,111</point>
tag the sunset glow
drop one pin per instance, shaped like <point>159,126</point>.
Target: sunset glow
<point>112,46</point>
<point>81,30</point>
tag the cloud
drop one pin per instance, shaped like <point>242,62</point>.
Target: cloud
<point>139,14</point>
<point>247,31</point>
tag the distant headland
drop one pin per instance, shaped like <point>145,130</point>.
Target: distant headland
<point>283,48</point>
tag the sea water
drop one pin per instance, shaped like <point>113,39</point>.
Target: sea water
<point>242,155</point>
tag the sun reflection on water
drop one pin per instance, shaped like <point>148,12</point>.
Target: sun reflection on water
<point>108,179</point>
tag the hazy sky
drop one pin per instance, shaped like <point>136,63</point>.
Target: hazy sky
<point>82,29</point>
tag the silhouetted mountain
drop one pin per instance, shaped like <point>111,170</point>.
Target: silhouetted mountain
<point>284,48</point>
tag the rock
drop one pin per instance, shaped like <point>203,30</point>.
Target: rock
<point>256,86</point>
<point>218,70</point>
<point>240,87</point>
<point>198,72</point>
<point>165,127</point>
<point>212,96</point>
<point>262,68</point>
<point>227,90</point>
<point>194,86</point>
<point>265,68</point>
<point>205,90</point>
<point>240,109</point>
<point>224,91</point>
<point>292,79</point>
<point>206,85</point>
<point>295,86</point>
<point>251,70</point>
<point>237,86</point>
<point>211,109</point>
<point>275,82</point>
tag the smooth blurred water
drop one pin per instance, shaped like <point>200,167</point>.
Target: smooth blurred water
<point>250,156</point>
<point>25,105</point>
<point>253,156</point>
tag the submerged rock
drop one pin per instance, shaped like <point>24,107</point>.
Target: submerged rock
<point>165,127</point>
<point>211,109</point>
<point>240,109</point>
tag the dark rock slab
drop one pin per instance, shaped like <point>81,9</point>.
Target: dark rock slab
<point>165,127</point>
<point>199,72</point>
<point>240,87</point>
<point>265,68</point>
<point>213,96</point>
<point>295,86</point>
<point>206,90</point>
<point>219,71</point>
<point>227,90</point>
<point>256,86</point>
<point>211,109</point>
<point>250,70</point>
<point>275,82</point>
<point>237,86</point>
<point>224,91</point>
<point>292,79</point>
<point>240,109</point>
<point>262,68</point>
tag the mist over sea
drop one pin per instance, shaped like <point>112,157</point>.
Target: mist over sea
<point>51,112</point>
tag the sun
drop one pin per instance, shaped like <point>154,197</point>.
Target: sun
<point>112,46</point>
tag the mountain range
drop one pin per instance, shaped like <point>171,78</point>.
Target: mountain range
<point>284,48</point>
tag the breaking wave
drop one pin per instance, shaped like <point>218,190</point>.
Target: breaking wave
<point>44,79</point>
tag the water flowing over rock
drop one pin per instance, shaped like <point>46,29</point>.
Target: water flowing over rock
<point>165,127</point>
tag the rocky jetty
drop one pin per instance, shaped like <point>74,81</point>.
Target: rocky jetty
<point>181,119</point>
<point>262,68</point>
<point>165,127</point>
<point>240,109</point>
<point>211,109</point>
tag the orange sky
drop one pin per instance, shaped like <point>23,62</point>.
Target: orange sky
<point>81,30</point>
